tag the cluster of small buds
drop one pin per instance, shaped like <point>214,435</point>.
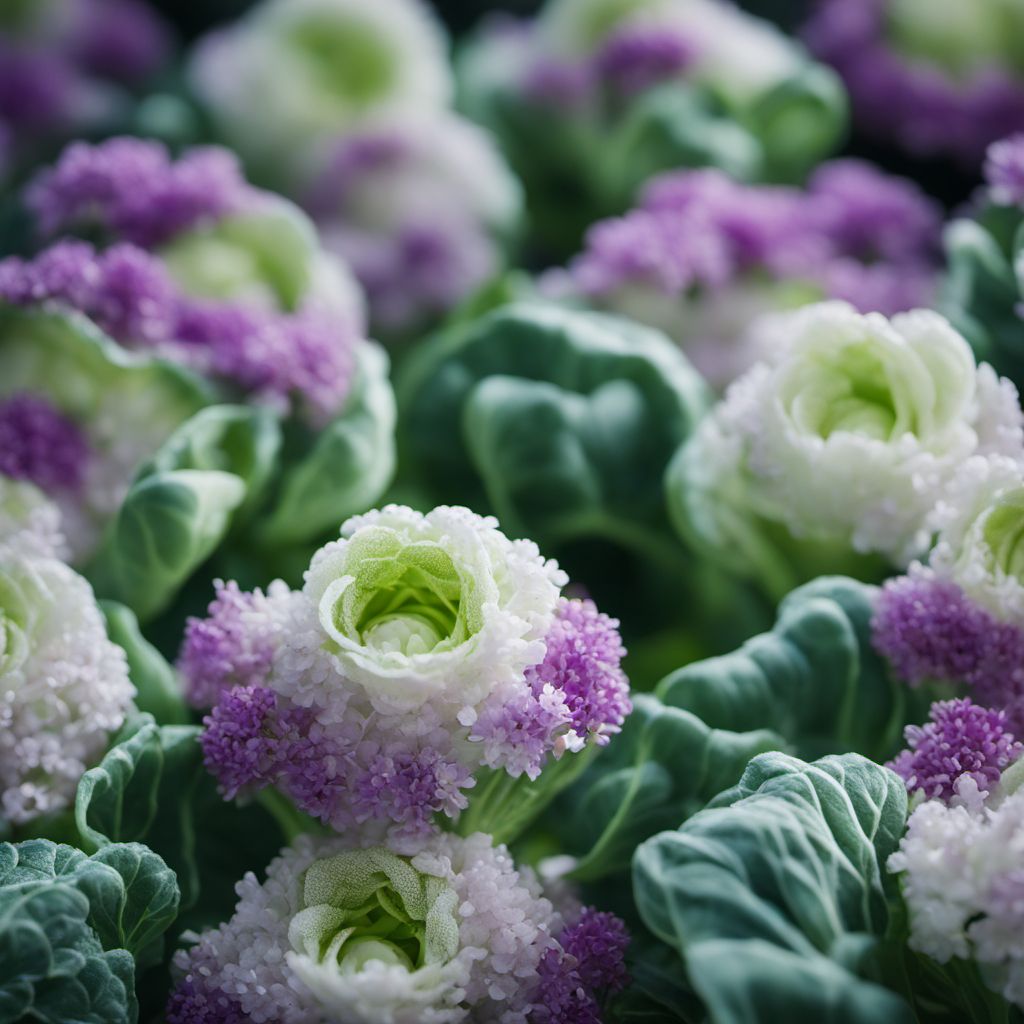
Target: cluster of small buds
<point>506,683</point>
<point>962,739</point>
<point>143,199</point>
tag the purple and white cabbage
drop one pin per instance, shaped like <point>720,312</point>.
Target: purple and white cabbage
<point>67,67</point>
<point>335,63</point>
<point>960,617</point>
<point>702,256</point>
<point>450,933</point>
<point>421,651</point>
<point>848,434</point>
<point>64,687</point>
<point>200,267</point>
<point>932,77</point>
<point>421,207</point>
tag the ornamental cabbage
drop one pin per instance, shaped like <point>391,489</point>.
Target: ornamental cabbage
<point>423,652</point>
<point>595,97</point>
<point>841,442</point>
<point>453,933</point>
<point>336,62</point>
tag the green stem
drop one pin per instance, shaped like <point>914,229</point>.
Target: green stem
<point>292,822</point>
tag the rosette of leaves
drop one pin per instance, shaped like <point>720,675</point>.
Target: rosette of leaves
<point>74,929</point>
<point>811,685</point>
<point>984,289</point>
<point>582,144</point>
<point>775,899</point>
<point>560,422</point>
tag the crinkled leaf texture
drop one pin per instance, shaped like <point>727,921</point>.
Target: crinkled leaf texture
<point>345,467</point>
<point>182,503</point>
<point>151,787</point>
<point>810,686</point>
<point>775,896</point>
<point>984,290</point>
<point>74,927</point>
<point>558,421</point>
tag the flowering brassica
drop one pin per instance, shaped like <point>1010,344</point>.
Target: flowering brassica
<point>69,67</point>
<point>422,652</point>
<point>703,256</point>
<point>933,78</point>
<point>452,933</point>
<point>597,96</point>
<point>335,63</point>
<point>64,687</point>
<point>421,206</point>
<point>208,289</point>
<point>842,440</point>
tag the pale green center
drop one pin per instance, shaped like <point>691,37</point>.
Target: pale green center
<point>1003,532</point>
<point>371,905</point>
<point>401,597</point>
<point>846,391</point>
<point>263,258</point>
<point>347,58</point>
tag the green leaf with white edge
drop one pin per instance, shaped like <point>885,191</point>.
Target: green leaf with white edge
<point>346,467</point>
<point>775,896</point>
<point>982,294</point>
<point>182,504</point>
<point>559,421</point>
<point>158,689</point>
<point>815,679</point>
<point>133,895</point>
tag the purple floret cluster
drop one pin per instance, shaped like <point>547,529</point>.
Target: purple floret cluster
<point>1004,171</point>
<point>38,443</point>
<point>381,770</point>
<point>586,967</point>
<point>913,102</point>
<point>135,190</point>
<point>962,739</point>
<point>140,198</point>
<point>929,629</point>
<point>854,232</point>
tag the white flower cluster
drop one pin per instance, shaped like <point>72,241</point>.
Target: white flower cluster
<point>849,432</point>
<point>261,962</point>
<point>963,884</point>
<point>64,687</point>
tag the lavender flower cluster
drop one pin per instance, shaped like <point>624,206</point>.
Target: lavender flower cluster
<point>702,255</point>
<point>275,346</point>
<point>378,717</point>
